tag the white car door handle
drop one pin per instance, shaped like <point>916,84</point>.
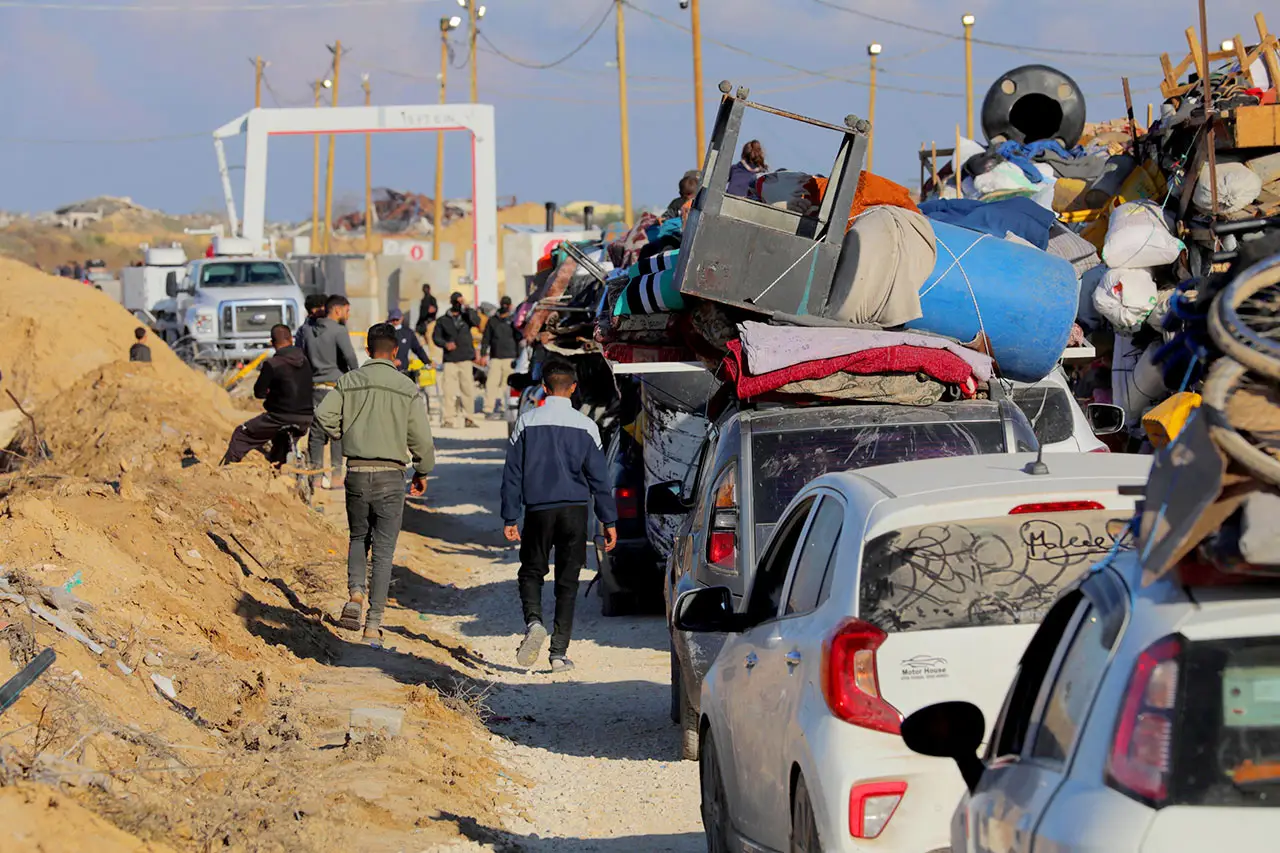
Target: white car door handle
<point>751,660</point>
<point>792,658</point>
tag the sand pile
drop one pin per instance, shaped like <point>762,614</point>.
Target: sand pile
<point>204,704</point>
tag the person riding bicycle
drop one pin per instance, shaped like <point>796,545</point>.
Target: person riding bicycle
<point>284,384</point>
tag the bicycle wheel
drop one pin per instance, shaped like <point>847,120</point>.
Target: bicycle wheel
<point>1233,398</point>
<point>1245,319</point>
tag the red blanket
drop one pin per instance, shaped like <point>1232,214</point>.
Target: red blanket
<point>941,365</point>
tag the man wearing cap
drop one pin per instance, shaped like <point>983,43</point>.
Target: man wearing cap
<point>407,345</point>
<point>499,348</point>
<point>453,335</point>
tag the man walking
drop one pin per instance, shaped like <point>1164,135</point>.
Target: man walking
<point>376,413</point>
<point>427,309</point>
<point>407,344</point>
<point>453,335</point>
<point>315,307</point>
<point>555,465</point>
<point>328,348</point>
<point>499,347</point>
<point>284,384</point>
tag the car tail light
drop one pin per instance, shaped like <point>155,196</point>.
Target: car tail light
<point>627,502</point>
<point>850,682</point>
<point>1055,506</point>
<point>1139,762</point>
<point>1102,449</point>
<point>871,807</point>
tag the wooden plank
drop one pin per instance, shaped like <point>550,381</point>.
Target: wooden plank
<point>1258,127</point>
<point>1243,59</point>
<point>1196,56</point>
<point>1269,57</point>
<point>1169,80</point>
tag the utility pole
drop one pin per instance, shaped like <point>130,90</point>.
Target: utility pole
<point>873,50</point>
<point>368,172</point>
<point>318,87</point>
<point>968,21</point>
<point>257,82</point>
<point>328,181</point>
<point>695,24</point>
<point>447,25</point>
<point>622,109</point>
<point>474,13</point>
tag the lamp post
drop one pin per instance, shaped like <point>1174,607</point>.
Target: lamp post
<point>873,50</point>
<point>447,25</point>
<point>623,118</point>
<point>474,13</point>
<point>318,86</point>
<point>699,128</point>
<point>968,21</point>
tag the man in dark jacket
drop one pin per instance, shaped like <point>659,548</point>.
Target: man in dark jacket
<point>453,335</point>
<point>328,348</point>
<point>499,347</point>
<point>427,309</point>
<point>284,384</point>
<point>555,465</point>
<point>315,310</point>
<point>407,343</point>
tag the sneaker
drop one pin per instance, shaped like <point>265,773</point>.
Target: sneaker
<point>351,612</point>
<point>561,664</point>
<point>531,646</point>
<point>325,482</point>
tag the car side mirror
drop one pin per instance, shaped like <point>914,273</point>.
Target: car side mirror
<point>664,499</point>
<point>707,610</point>
<point>171,284</point>
<point>949,730</point>
<point>1105,419</point>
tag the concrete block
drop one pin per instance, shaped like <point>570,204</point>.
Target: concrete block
<point>389,721</point>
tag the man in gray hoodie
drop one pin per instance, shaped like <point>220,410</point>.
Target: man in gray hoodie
<point>328,348</point>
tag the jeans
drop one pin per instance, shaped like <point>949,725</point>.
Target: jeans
<point>257,433</point>
<point>565,529</point>
<point>317,439</point>
<point>375,507</point>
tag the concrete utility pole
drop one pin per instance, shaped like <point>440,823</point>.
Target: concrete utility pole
<point>318,86</point>
<point>968,21</point>
<point>475,12</point>
<point>695,25</point>
<point>257,82</point>
<point>622,110</point>
<point>328,181</point>
<point>368,171</point>
<point>447,25</point>
<point>873,50</point>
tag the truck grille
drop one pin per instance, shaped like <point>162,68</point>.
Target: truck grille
<point>257,319</point>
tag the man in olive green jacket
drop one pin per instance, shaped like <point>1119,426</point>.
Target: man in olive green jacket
<point>377,413</point>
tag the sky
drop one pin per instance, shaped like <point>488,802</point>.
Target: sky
<point>119,97</point>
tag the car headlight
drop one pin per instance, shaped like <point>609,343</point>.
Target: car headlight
<point>205,322</point>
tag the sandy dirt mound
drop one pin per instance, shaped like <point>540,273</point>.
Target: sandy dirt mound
<point>204,701</point>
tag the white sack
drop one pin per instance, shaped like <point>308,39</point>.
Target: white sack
<point>1238,187</point>
<point>1137,237</point>
<point>1124,298</point>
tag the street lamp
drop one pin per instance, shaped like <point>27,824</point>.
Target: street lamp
<point>1229,45</point>
<point>968,21</point>
<point>328,83</point>
<point>873,51</point>
<point>474,14</point>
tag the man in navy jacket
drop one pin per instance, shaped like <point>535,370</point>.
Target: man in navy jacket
<point>555,466</point>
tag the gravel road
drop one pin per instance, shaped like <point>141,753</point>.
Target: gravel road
<point>596,745</point>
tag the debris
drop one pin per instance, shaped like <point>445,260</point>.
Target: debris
<point>165,685</point>
<point>124,668</point>
<point>386,720</point>
<point>57,622</point>
<point>152,659</point>
<point>12,689</point>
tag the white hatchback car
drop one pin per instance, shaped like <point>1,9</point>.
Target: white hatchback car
<point>879,592</point>
<point>1141,720</point>
<point>1061,426</point>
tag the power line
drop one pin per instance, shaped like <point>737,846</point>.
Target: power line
<point>296,5</point>
<point>26,140</point>
<point>1017,48</point>
<point>540,66</point>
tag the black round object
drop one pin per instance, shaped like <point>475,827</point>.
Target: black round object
<point>1033,103</point>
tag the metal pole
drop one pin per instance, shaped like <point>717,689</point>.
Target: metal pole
<point>315,177</point>
<point>471,59</point>
<point>1209,117</point>
<point>257,82</point>
<point>368,173</point>
<point>328,180</point>
<point>699,126</point>
<point>871,107</point>
<point>437,217</point>
<point>968,21</point>
<point>622,111</point>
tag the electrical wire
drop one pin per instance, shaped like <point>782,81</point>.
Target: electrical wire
<point>542,66</point>
<point>27,140</point>
<point>296,5</point>
<point>1017,48</point>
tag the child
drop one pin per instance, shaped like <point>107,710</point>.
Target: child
<point>139,351</point>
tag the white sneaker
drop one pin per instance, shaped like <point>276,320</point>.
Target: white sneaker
<point>326,482</point>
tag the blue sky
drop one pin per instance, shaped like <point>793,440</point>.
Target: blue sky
<point>103,70</point>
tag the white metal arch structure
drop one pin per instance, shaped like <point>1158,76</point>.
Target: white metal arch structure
<point>259,125</point>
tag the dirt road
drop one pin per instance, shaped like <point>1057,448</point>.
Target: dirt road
<point>595,747</point>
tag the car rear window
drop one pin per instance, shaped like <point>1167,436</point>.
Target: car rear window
<point>785,462</point>
<point>1049,410</point>
<point>986,571</point>
<point>1228,739</point>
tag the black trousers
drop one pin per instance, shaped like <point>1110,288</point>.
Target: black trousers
<point>257,433</point>
<point>565,530</point>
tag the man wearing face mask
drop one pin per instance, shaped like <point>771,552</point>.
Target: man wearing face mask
<point>453,335</point>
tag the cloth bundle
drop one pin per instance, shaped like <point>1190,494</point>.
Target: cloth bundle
<point>651,286</point>
<point>886,256</point>
<point>1019,216</point>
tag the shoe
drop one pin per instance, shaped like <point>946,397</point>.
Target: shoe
<point>494,416</point>
<point>372,636</point>
<point>561,664</point>
<point>351,612</point>
<point>326,482</point>
<point>472,424</point>
<point>531,646</point>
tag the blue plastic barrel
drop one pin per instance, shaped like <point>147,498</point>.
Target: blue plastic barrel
<point>1024,299</point>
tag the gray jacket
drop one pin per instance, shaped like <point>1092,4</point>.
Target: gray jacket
<point>328,348</point>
